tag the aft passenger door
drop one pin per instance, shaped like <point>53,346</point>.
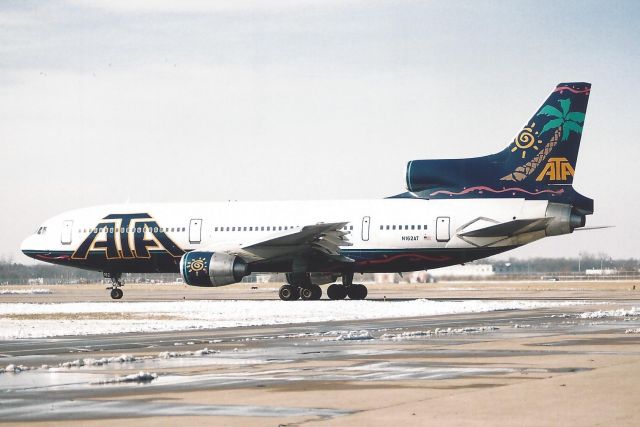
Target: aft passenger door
<point>195,231</point>
<point>366,222</point>
<point>65,236</point>
<point>442,229</point>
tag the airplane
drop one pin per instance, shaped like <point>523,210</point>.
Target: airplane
<point>454,211</point>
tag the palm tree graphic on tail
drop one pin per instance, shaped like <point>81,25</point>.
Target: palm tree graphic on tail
<point>564,122</point>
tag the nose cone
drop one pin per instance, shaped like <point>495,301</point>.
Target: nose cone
<point>27,247</point>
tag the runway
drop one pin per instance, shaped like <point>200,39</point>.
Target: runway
<point>574,364</point>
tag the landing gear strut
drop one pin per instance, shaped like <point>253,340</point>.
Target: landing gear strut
<point>116,284</point>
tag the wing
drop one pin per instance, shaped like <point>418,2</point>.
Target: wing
<point>323,238</point>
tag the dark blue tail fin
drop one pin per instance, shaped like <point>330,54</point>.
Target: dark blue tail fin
<point>546,150</point>
<point>539,163</point>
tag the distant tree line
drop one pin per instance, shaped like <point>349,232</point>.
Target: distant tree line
<point>562,265</point>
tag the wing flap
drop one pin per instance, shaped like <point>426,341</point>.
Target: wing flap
<point>323,238</point>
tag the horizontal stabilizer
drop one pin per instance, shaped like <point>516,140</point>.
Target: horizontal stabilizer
<point>597,227</point>
<point>511,228</point>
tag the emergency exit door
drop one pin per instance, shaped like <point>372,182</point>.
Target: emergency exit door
<point>195,231</point>
<point>442,229</point>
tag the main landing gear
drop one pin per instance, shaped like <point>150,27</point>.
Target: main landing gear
<point>307,291</point>
<point>116,284</point>
<point>347,289</point>
<point>354,291</point>
<point>293,292</point>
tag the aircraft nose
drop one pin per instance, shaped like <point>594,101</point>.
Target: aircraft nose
<point>27,246</point>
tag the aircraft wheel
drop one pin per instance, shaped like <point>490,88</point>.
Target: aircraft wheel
<point>288,293</point>
<point>357,292</point>
<point>116,293</point>
<point>317,292</point>
<point>336,291</point>
<point>307,293</point>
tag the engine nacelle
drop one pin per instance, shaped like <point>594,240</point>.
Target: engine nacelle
<point>212,268</point>
<point>565,219</point>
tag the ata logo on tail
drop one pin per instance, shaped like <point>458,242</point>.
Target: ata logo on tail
<point>556,169</point>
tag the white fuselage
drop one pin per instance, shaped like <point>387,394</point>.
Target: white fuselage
<point>374,226</point>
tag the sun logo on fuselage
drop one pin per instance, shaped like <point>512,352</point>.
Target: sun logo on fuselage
<point>526,139</point>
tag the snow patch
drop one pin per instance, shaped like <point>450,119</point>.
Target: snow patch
<point>24,291</point>
<point>353,336</point>
<point>14,369</point>
<point>600,314</point>
<point>438,332</point>
<point>632,331</point>
<point>140,377</point>
<point>197,353</point>
<point>187,315</point>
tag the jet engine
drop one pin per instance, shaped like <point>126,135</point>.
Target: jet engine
<point>200,268</point>
<point>565,219</point>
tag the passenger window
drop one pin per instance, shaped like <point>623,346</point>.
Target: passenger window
<point>419,227</point>
<point>425,227</point>
<point>269,228</point>
<point>413,227</point>
<point>261,228</point>
<point>227,228</point>
<point>387,227</point>
<point>394,227</point>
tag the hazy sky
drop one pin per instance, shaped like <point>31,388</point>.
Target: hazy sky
<point>104,102</point>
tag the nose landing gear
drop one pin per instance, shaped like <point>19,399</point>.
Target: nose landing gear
<point>116,284</point>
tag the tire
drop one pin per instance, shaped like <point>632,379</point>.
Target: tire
<point>337,292</point>
<point>116,293</point>
<point>307,293</point>
<point>288,293</point>
<point>317,292</point>
<point>363,291</point>
<point>357,292</point>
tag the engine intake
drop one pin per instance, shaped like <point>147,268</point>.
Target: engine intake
<point>212,268</point>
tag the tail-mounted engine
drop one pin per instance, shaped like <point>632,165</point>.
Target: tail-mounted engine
<point>564,219</point>
<point>212,268</point>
